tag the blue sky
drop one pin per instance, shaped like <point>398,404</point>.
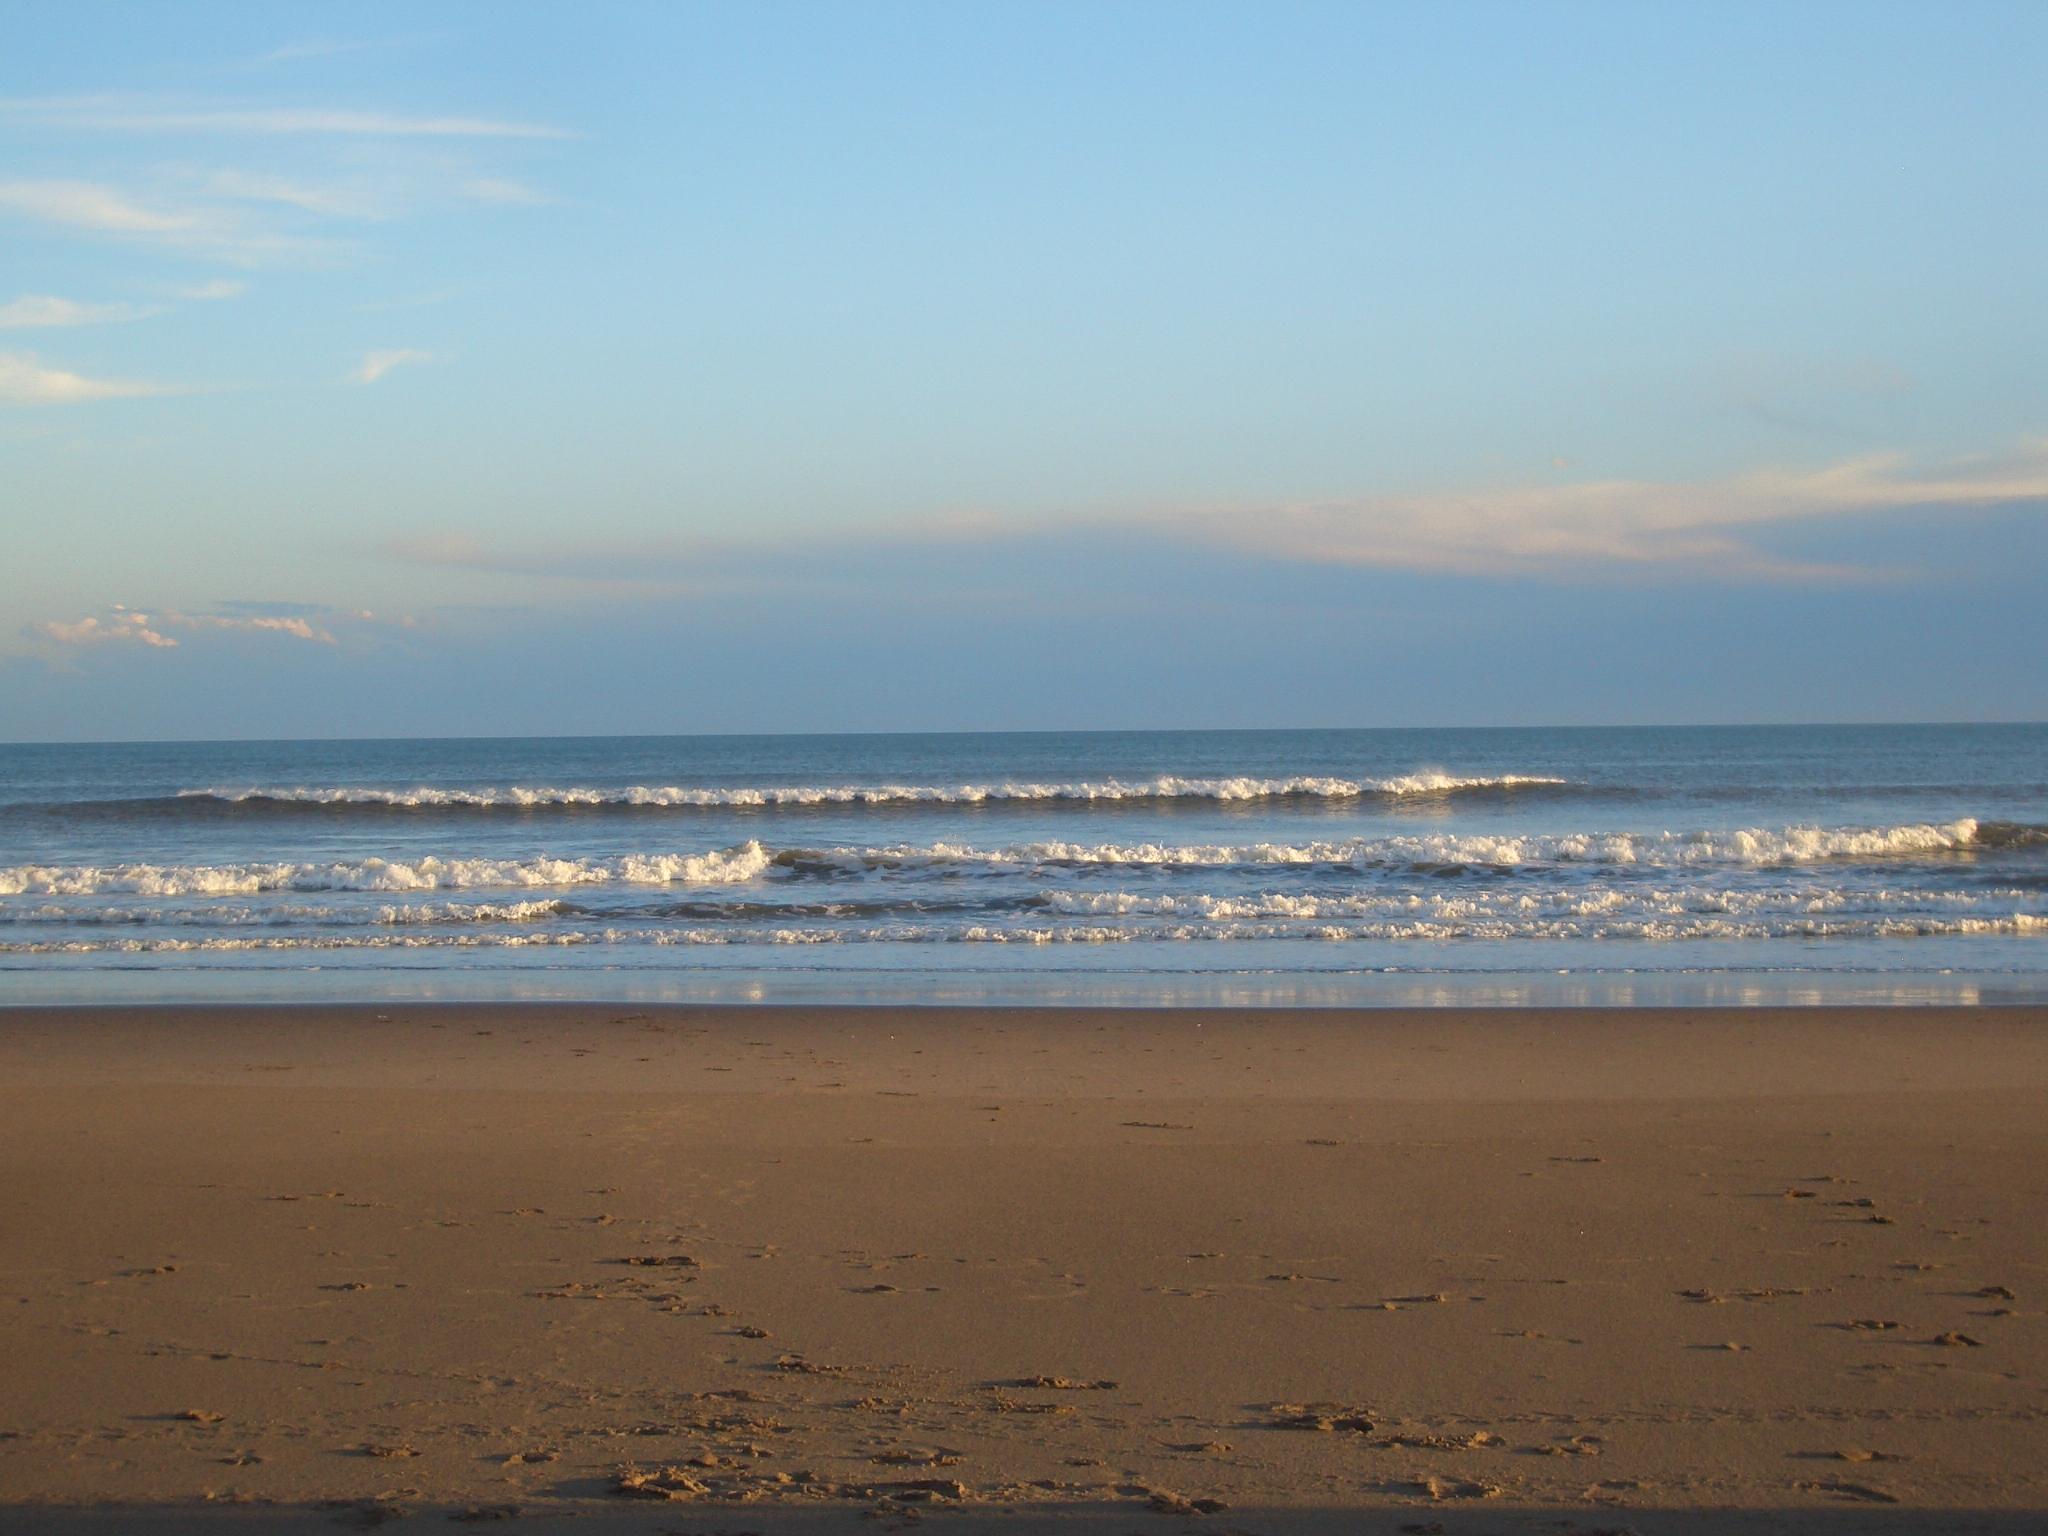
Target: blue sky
<point>506,369</point>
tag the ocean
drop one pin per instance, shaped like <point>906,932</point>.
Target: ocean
<point>1700,865</point>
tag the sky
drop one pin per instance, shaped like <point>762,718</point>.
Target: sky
<point>527,369</point>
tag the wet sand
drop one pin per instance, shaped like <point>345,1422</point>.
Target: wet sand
<point>726,1269</point>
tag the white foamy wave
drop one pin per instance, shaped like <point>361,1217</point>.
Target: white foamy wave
<point>1163,787</point>
<point>2018,925</point>
<point>750,860</point>
<point>1525,905</point>
<point>729,866</point>
<point>74,912</point>
<point>1746,847</point>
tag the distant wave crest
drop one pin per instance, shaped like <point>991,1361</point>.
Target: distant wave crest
<point>684,797</point>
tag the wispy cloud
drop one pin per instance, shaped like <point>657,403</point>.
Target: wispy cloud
<point>37,311</point>
<point>214,291</point>
<point>343,202</point>
<point>94,208</point>
<point>121,114</point>
<point>503,192</point>
<point>25,381</point>
<point>1588,532</point>
<point>312,48</point>
<point>1616,527</point>
<point>91,206</point>
<point>124,625</point>
<point>376,364</point>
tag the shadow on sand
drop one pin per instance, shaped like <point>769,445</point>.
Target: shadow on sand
<point>581,1517</point>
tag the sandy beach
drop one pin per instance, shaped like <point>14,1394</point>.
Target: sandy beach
<point>794,1269</point>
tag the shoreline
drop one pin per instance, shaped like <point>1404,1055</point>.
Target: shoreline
<point>1610,1264</point>
<point>1337,990</point>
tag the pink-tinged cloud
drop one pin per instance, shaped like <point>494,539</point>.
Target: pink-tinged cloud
<point>123,628</point>
<point>127,625</point>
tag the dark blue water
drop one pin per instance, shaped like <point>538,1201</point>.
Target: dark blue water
<point>1698,864</point>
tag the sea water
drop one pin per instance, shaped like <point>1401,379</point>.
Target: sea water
<point>1686,865</point>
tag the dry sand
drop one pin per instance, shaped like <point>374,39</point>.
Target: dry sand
<point>725,1270</point>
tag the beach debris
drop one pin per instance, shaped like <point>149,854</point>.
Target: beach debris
<point>1321,1418</point>
<point>659,1261</point>
<point>659,1483</point>
<point>1956,1340</point>
<point>1166,1502</point>
<point>199,1416</point>
<point>398,1451</point>
<point>1477,1440</point>
<point>917,1458</point>
<point>1059,1384</point>
<point>917,1490</point>
<point>799,1366</point>
<point>1995,1293</point>
<point>1430,1486</point>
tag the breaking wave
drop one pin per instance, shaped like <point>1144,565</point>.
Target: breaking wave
<point>1446,854</point>
<point>727,866</point>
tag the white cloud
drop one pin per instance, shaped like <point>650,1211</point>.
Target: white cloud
<point>219,288</point>
<point>33,311</point>
<point>152,115</point>
<point>123,627</point>
<point>297,628</point>
<point>376,364</point>
<point>24,381</point>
